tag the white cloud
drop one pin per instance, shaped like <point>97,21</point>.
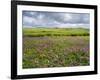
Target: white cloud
<point>55,19</point>
<point>86,19</point>
<point>73,25</point>
<point>67,17</point>
<point>40,17</point>
<point>27,19</point>
<point>32,13</point>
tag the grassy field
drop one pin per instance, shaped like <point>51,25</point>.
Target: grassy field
<point>37,32</point>
<point>44,47</point>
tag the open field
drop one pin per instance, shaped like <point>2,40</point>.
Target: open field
<point>34,32</point>
<point>55,47</point>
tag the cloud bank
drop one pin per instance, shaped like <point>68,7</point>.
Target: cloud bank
<point>55,19</point>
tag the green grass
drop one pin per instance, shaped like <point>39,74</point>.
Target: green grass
<point>34,32</point>
<point>61,48</point>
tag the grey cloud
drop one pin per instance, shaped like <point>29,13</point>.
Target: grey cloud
<point>55,18</point>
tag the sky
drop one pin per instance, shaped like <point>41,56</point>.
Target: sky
<point>55,19</point>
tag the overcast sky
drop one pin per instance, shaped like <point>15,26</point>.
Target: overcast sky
<point>55,19</point>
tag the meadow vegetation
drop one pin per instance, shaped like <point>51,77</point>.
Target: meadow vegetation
<point>37,32</point>
<point>55,47</point>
